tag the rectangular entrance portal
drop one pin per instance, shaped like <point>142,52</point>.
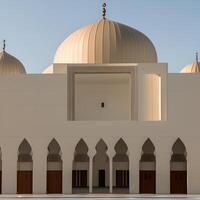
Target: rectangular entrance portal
<point>102,178</point>
<point>79,178</point>
<point>54,182</point>
<point>178,181</point>
<point>24,182</point>
<point>122,178</point>
<point>147,182</point>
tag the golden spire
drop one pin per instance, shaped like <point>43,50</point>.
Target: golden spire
<point>4,45</point>
<point>104,10</point>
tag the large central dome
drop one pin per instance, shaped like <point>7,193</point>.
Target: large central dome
<point>106,41</point>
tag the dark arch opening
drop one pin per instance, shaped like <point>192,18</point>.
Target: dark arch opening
<point>80,172</point>
<point>121,168</point>
<point>148,168</point>
<point>54,168</point>
<point>178,168</point>
<point>24,168</point>
<point>101,168</point>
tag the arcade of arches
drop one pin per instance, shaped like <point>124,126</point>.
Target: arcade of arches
<point>100,174</point>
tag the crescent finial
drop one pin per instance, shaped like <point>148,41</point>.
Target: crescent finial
<point>4,45</point>
<point>104,10</point>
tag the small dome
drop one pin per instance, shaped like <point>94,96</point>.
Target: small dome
<point>48,70</point>
<point>192,68</point>
<point>9,65</point>
<point>106,41</point>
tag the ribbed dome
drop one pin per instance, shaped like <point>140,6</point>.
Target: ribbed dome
<point>106,42</point>
<point>9,65</point>
<point>192,68</point>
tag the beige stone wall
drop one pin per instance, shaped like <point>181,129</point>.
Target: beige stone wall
<point>35,107</point>
<point>111,89</point>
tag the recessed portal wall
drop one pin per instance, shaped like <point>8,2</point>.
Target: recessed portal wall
<point>151,97</point>
<point>102,97</point>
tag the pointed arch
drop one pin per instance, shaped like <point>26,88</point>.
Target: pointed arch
<point>148,168</point>
<point>178,168</point>
<point>148,146</point>
<point>54,151</point>
<point>25,151</point>
<point>148,150</point>
<point>178,151</point>
<point>24,168</point>
<point>101,146</point>
<point>101,168</point>
<point>54,146</point>
<point>80,171</point>
<point>54,168</point>
<point>121,147</point>
<point>81,148</point>
<point>121,168</point>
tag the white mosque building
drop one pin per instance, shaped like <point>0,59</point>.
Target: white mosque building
<point>105,117</point>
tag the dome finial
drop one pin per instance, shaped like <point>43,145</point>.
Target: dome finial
<point>4,45</point>
<point>104,10</point>
<point>197,57</point>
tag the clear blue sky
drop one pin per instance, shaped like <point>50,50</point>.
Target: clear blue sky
<point>34,28</point>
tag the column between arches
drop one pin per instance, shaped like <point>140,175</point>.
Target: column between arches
<point>163,157</point>
<point>39,168</point>
<point>9,168</point>
<point>91,155</point>
<point>111,153</point>
<point>134,160</point>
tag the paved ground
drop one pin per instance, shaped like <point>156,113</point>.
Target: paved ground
<point>98,196</point>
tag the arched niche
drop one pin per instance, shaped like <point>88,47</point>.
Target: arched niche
<point>178,168</point>
<point>54,168</point>
<point>121,168</point>
<point>101,168</point>
<point>148,168</point>
<point>24,168</point>
<point>80,173</point>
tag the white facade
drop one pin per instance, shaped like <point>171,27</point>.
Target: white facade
<point>34,107</point>
<point>100,115</point>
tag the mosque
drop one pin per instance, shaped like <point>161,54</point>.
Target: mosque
<point>105,117</point>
